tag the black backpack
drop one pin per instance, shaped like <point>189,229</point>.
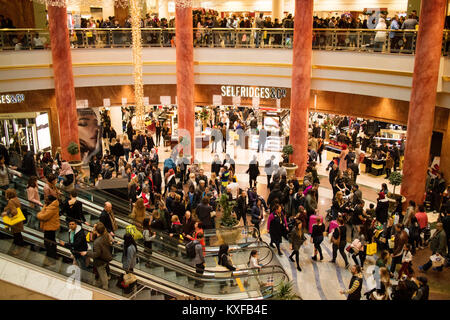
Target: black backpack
<point>190,249</point>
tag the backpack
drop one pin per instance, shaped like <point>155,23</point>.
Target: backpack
<point>190,248</point>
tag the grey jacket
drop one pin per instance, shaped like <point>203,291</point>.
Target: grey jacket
<point>199,258</point>
<point>130,260</point>
<point>438,243</point>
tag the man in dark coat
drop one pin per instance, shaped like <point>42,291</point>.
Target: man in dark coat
<point>253,171</point>
<point>203,211</point>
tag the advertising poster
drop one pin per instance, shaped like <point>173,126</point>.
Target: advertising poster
<point>89,133</point>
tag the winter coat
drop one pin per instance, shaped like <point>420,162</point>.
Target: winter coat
<point>102,251</point>
<point>438,243</point>
<point>11,210</point>
<point>49,216</point>
<point>296,239</point>
<point>79,243</point>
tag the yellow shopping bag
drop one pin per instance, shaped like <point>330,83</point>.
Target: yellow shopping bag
<point>131,229</point>
<point>371,249</point>
<point>19,217</point>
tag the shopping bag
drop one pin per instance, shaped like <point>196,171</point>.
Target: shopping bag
<point>128,279</point>
<point>371,249</point>
<point>19,217</point>
<point>437,260</point>
<point>391,242</point>
<point>89,34</point>
<point>244,38</point>
<point>131,229</point>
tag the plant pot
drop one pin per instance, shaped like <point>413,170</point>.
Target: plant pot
<point>227,235</point>
<point>392,198</point>
<point>75,164</point>
<point>290,169</point>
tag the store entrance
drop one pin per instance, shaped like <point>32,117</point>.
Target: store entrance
<point>25,131</point>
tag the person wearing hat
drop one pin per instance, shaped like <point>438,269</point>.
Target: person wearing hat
<point>381,211</point>
<point>424,290</point>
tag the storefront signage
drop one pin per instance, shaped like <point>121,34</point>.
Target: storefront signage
<point>12,98</point>
<point>252,92</point>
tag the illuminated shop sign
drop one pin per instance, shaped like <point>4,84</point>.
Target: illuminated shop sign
<point>12,98</point>
<point>252,92</point>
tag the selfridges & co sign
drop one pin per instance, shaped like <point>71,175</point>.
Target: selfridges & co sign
<point>12,98</point>
<point>252,92</point>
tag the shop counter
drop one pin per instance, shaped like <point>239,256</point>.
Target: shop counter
<point>374,166</point>
<point>332,151</point>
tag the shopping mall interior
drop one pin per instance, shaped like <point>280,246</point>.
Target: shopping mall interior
<point>237,150</point>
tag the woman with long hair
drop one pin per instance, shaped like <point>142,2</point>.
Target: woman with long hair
<point>138,213</point>
<point>11,210</point>
<point>129,253</point>
<point>224,259</point>
<point>33,193</point>
<point>317,237</point>
<point>276,225</point>
<point>297,239</point>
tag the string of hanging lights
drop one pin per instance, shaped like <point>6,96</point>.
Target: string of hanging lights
<point>65,3</point>
<point>135,9</point>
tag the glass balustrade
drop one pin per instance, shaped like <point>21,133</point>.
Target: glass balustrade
<point>358,40</point>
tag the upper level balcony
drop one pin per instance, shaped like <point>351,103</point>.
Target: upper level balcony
<point>364,62</point>
<point>356,40</point>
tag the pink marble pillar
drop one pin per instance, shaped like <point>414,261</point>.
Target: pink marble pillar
<point>185,74</point>
<point>63,77</point>
<point>301,83</point>
<point>423,99</point>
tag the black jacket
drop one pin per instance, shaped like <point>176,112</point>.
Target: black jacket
<point>106,220</point>
<point>79,243</point>
<point>253,170</point>
<point>75,211</point>
<point>203,212</point>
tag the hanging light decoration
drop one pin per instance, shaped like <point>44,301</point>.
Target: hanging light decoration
<point>96,3</point>
<point>135,9</point>
<point>183,3</point>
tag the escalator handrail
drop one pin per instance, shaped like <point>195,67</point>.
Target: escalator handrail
<point>141,253</point>
<point>166,256</point>
<point>143,275</point>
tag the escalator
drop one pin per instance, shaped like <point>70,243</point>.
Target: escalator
<point>164,243</point>
<point>96,198</point>
<point>161,277</point>
<point>169,264</point>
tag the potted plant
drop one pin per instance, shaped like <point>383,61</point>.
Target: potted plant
<point>290,167</point>
<point>73,149</point>
<point>395,178</point>
<point>204,116</point>
<point>227,231</point>
<point>285,291</point>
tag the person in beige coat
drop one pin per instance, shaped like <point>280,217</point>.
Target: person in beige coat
<point>49,218</point>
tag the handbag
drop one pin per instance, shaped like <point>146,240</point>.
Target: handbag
<point>338,240</point>
<point>11,221</point>
<point>129,278</point>
<point>371,249</point>
<point>437,260</point>
<point>391,242</point>
<point>131,229</point>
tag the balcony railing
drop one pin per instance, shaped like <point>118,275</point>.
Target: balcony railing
<point>359,40</point>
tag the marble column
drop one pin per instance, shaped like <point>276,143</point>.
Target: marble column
<point>277,10</point>
<point>63,78</point>
<point>301,83</point>
<point>423,99</point>
<point>185,75</point>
